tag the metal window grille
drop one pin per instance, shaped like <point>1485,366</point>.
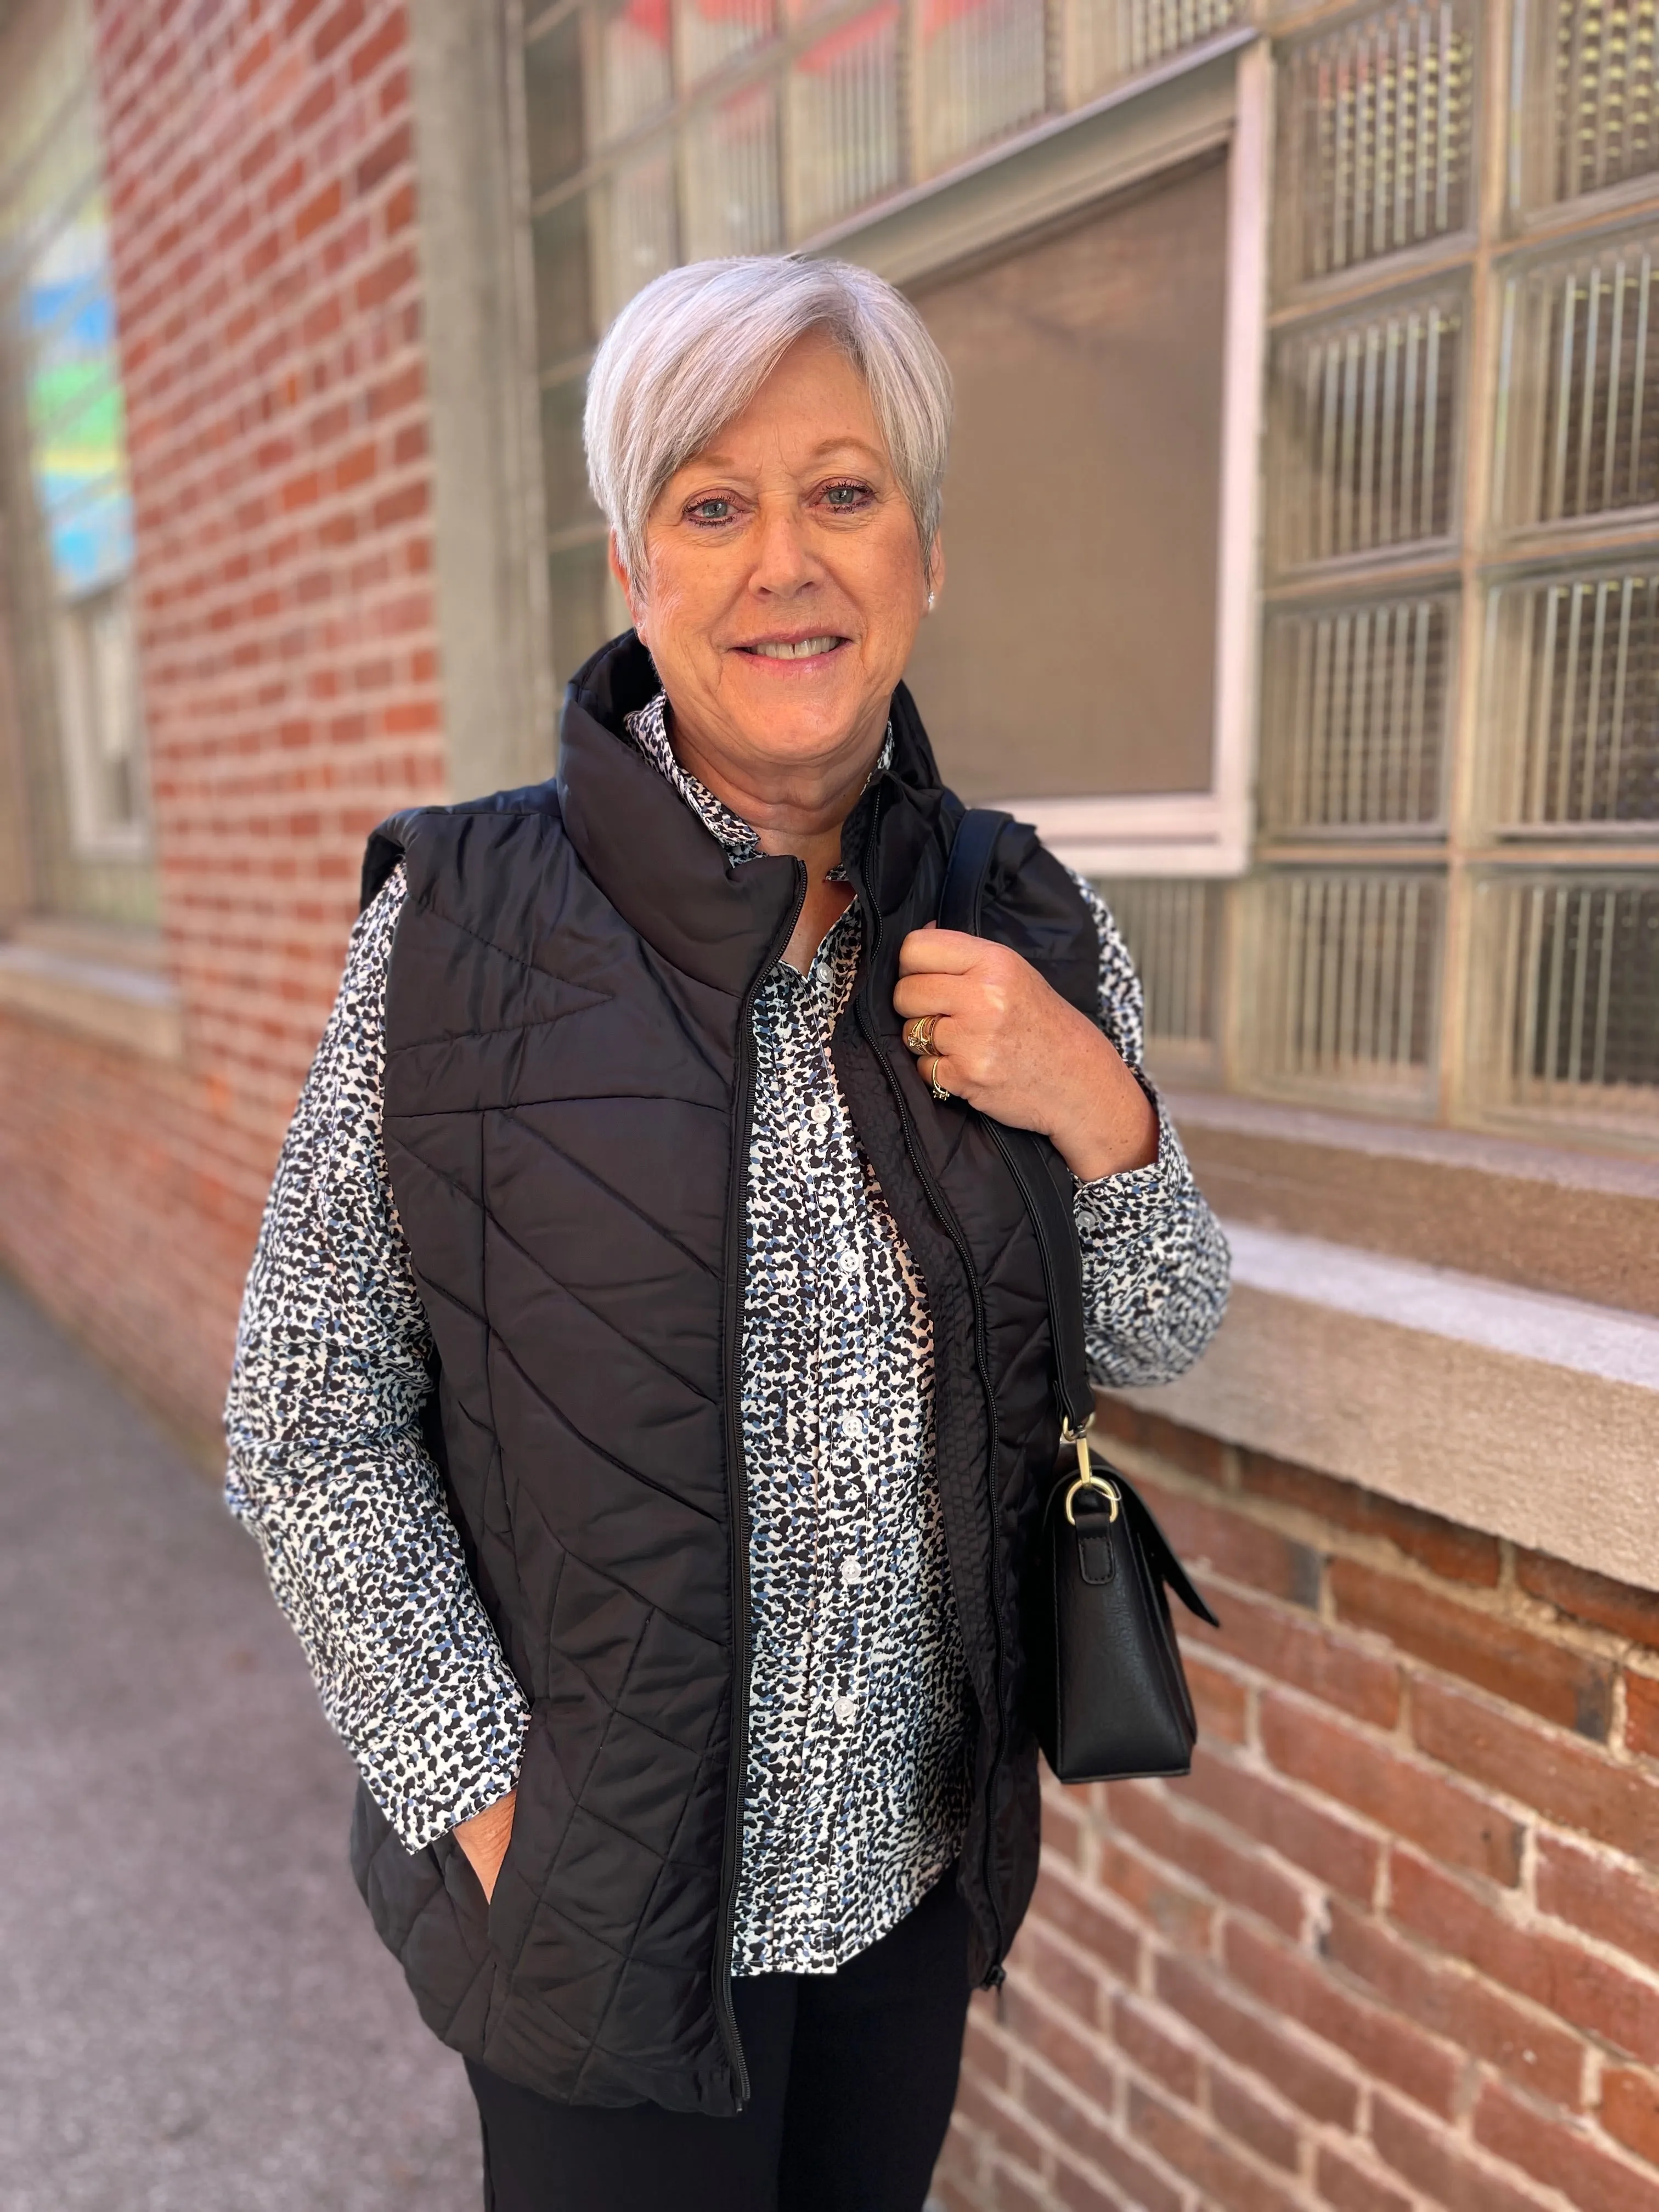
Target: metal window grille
<point>1354,734</point>
<point>1172,927</point>
<point>1574,691</point>
<point>635,67</point>
<point>1577,1017</point>
<point>1579,434</point>
<point>713,33</point>
<point>1374,143</point>
<point>844,121</point>
<point>1348,972</point>
<point>1114,39</point>
<point>1593,110</point>
<point>984,73</point>
<point>1365,426</point>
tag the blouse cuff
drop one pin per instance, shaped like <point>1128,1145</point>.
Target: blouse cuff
<point>462,1755</point>
<point>1170,1170</point>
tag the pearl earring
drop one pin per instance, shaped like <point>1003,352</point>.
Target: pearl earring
<point>930,603</point>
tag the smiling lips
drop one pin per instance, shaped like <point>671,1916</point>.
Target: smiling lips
<point>802,648</point>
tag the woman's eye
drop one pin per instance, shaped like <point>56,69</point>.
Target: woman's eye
<point>841,496</point>
<point>710,510</point>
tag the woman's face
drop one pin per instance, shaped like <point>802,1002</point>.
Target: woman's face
<point>784,580</point>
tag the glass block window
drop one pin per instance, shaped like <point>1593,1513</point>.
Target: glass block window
<point>1458,779</point>
<point>1575,689</point>
<point>1349,970</point>
<point>1573,982</point>
<point>1586,105</point>
<point>1375,138</point>
<point>1173,929</point>
<point>662,130</point>
<point>1365,422</point>
<point>1355,733</point>
<point>1579,431</point>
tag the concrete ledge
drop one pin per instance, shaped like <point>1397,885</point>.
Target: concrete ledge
<point>1531,1416</point>
<point>130,1007</point>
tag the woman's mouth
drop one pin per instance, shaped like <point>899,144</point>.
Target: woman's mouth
<point>800,648</point>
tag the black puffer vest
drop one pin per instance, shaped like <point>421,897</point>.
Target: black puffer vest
<point>569,1090</point>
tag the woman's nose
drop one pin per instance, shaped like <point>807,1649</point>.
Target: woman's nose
<point>783,559</point>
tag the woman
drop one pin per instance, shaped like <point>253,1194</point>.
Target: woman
<point>642,1392</point>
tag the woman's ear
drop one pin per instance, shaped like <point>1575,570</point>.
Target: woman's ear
<point>625,585</point>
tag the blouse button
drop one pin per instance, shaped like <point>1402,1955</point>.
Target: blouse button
<point>851,1572</point>
<point>845,1709</point>
<point>820,1112</point>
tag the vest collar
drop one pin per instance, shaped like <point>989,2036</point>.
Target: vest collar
<point>712,918</point>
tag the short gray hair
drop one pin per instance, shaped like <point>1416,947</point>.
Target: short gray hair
<point>690,352</point>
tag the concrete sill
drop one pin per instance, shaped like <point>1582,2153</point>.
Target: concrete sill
<point>107,986</point>
<point>1526,1415</point>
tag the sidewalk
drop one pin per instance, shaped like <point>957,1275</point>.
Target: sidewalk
<point>195,2015</point>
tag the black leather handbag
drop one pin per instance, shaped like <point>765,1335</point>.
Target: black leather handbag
<point>1109,1698</point>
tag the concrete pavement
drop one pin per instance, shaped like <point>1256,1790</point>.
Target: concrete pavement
<point>195,2015</point>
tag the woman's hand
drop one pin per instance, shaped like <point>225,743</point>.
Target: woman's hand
<point>1011,1045</point>
<point>485,1839</point>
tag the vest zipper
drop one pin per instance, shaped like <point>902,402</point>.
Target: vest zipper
<point>947,1213</point>
<point>737,1212</point>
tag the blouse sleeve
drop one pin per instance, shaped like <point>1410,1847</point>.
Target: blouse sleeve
<point>1155,1263</point>
<point>326,1465</point>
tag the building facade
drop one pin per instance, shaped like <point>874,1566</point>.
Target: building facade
<point>1308,451</point>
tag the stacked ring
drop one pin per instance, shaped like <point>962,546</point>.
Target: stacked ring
<point>919,1035</point>
<point>933,1081</point>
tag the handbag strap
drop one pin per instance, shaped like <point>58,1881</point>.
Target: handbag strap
<point>1035,1166</point>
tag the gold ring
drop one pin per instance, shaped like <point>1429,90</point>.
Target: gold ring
<point>933,1081</point>
<point>919,1035</point>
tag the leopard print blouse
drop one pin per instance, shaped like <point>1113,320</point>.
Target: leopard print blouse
<point>856,1775</point>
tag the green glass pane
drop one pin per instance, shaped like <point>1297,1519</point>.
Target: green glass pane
<point>564,290</point>
<point>564,467</point>
<point>553,103</point>
<point>580,607</point>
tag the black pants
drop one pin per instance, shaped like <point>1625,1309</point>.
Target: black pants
<point>853,2076</point>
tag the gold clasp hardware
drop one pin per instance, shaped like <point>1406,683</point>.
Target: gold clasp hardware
<point>1086,1477</point>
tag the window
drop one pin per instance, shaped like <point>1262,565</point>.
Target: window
<point>662,130</point>
<point>65,509</point>
<point>1453,908</point>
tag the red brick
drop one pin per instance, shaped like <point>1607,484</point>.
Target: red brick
<point>1592,1598</point>
<point>1444,1546</point>
<point>393,152</point>
<point>379,45</point>
<point>1392,2049</point>
<point>1349,2188</point>
<point>1189,1450</point>
<point>1203,2158</point>
<point>1552,1680</point>
<point>1328,1847</point>
<point>1308,1656</point>
<point>1453,2002</point>
<point>1179,1916</point>
<point>1574,1785</point>
<point>1087,1922</point>
<point>1397,1791</point>
<point>1237,1873</point>
<point>1060,1974</point>
<point>1620,1904</point>
<point>1553,2150</point>
<point>1630,2109</point>
<point>1218,1699</point>
<point>1218,1540</point>
<point>1093,2143</point>
<point>1642,1715</point>
<point>1253,2040</point>
<point>1143,2041</point>
<point>1134,2186</point>
<point>336,29</point>
<point>1443,2169</point>
<point>1241,2113</point>
<point>1573,1983</point>
<point>1050,2035</point>
<point>321,209</point>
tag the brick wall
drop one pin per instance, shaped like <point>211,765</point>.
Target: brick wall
<point>1396,1942</point>
<point>263,207</point>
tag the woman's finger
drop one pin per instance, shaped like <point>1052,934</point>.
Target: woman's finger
<point>928,994</point>
<point>944,952</point>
